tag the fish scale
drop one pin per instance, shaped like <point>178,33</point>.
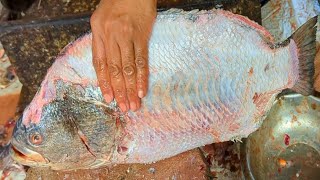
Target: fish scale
<point>205,94</point>
<point>213,77</point>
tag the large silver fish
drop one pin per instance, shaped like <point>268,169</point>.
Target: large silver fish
<point>213,77</point>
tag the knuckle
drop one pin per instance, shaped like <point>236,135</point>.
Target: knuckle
<point>115,24</point>
<point>129,70</point>
<point>141,81</point>
<point>119,94</point>
<point>142,73</point>
<point>130,82</point>
<point>99,64</point>
<point>125,24</point>
<point>114,70</point>
<point>104,84</point>
<point>130,92</point>
<point>141,61</point>
<point>127,29</point>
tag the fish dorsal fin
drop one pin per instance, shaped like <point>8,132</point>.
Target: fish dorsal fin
<point>236,18</point>
<point>243,20</point>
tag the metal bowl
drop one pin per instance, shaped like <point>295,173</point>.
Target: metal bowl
<point>287,146</point>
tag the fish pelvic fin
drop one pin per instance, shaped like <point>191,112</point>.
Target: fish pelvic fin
<point>305,41</point>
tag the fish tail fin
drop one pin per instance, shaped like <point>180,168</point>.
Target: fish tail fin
<point>305,40</point>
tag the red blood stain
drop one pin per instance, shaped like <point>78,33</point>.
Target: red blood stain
<point>209,159</point>
<point>255,97</point>
<point>118,123</point>
<point>286,139</point>
<point>201,167</point>
<point>9,123</point>
<point>122,149</point>
<point>251,71</point>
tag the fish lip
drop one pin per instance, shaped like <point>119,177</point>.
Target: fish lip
<point>26,156</point>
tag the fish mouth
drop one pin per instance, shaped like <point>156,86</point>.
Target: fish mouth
<point>26,156</point>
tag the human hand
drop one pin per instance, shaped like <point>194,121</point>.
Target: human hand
<point>121,31</point>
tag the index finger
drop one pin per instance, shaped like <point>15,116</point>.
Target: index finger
<point>100,65</point>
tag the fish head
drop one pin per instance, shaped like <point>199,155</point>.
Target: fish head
<point>65,138</point>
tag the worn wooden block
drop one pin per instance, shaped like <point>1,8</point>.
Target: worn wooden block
<point>10,89</point>
<point>188,165</point>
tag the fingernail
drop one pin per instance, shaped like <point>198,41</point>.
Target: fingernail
<point>133,106</point>
<point>108,98</point>
<point>140,94</point>
<point>123,107</point>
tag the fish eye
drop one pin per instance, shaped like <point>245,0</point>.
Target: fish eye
<point>35,138</point>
